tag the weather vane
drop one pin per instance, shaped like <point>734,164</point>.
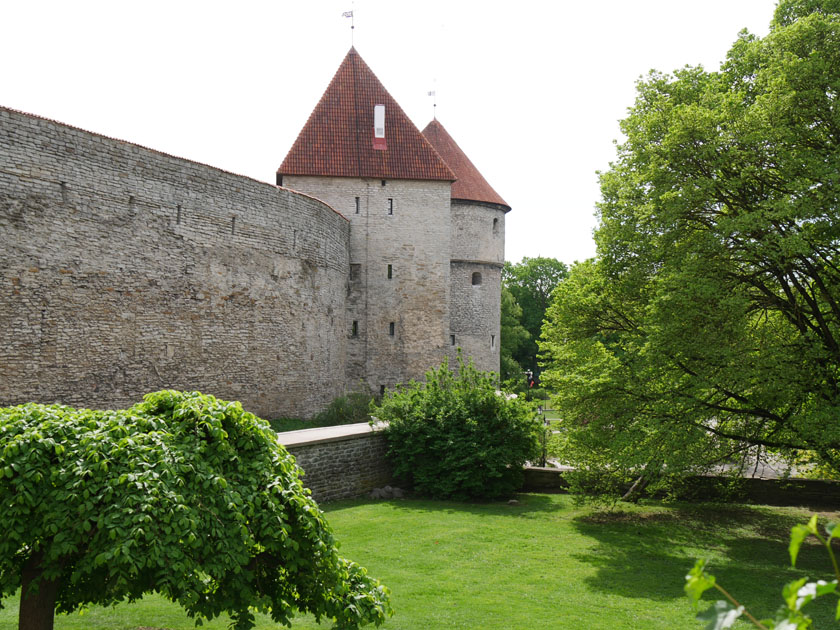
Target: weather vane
<point>433,94</point>
<point>352,24</point>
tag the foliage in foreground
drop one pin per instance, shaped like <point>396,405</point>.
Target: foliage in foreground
<point>796,594</point>
<point>708,328</point>
<point>455,436</point>
<point>182,494</point>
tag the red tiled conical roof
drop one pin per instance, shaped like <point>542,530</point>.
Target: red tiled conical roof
<point>470,184</point>
<point>337,140</point>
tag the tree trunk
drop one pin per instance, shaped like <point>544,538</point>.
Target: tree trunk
<point>635,492</point>
<point>37,608</point>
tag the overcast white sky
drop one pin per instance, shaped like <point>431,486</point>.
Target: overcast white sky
<point>532,91</point>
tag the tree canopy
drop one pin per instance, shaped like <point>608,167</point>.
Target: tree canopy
<point>531,283</point>
<point>709,324</point>
<point>513,337</point>
<point>182,494</point>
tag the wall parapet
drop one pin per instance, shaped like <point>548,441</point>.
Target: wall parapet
<point>340,462</point>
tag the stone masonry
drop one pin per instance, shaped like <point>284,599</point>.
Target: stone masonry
<point>340,462</point>
<point>401,225</point>
<point>124,270</point>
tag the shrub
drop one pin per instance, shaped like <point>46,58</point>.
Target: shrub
<point>182,494</point>
<point>456,437</point>
<point>348,409</point>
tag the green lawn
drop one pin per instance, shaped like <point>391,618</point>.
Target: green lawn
<point>544,563</point>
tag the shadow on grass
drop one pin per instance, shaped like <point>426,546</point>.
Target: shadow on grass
<point>647,554</point>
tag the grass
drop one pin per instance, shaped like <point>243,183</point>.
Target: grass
<point>543,563</point>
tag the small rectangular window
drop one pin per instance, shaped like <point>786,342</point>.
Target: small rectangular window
<point>358,205</point>
<point>355,272</point>
<point>391,328</point>
<point>381,390</point>
<point>354,331</point>
<point>390,206</point>
<point>390,272</point>
<point>451,340</point>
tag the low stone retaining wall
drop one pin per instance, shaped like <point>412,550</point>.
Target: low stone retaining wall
<point>811,493</point>
<point>340,462</point>
<point>348,461</point>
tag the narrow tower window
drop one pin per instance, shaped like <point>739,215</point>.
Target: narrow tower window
<point>451,340</point>
<point>354,330</point>
<point>492,342</point>
<point>495,226</point>
<point>355,272</point>
<point>390,272</point>
<point>391,328</point>
<point>390,206</point>
<point>358,205</point>
<point>476,279</point>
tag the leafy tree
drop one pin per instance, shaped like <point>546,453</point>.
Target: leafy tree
<point>456,437</point>
<point>182,494</point>
<point>513,337</point>
<point>531,283</point>
<point>709,325</point>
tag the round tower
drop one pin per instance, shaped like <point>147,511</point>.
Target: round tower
<point>477,255</point>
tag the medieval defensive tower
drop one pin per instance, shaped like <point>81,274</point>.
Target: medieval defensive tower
<point>478,254</point>
<point>427,231</point>
<point>125,270</point>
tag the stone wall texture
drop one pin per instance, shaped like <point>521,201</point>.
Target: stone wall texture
<point>478,254</point>
<point>343,468</point>
<point>124,270</point>
<point>403,225</point>
<point>475,313</point>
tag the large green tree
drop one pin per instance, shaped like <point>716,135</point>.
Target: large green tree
<point>709,324</point>
<point>531,283</point>
<point>182,494</point>
<point>513,337</point>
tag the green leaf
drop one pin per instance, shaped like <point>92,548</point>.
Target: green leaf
<point>720,616</point>
<point>698,582</point>
<point>799,593</point>
<point>790,593</point>
<point>797,535</point>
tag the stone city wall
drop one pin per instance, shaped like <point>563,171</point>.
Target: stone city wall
<point>124,270</point>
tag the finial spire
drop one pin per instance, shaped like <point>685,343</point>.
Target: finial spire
<point>352,23</point>
<point>433,94</point>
